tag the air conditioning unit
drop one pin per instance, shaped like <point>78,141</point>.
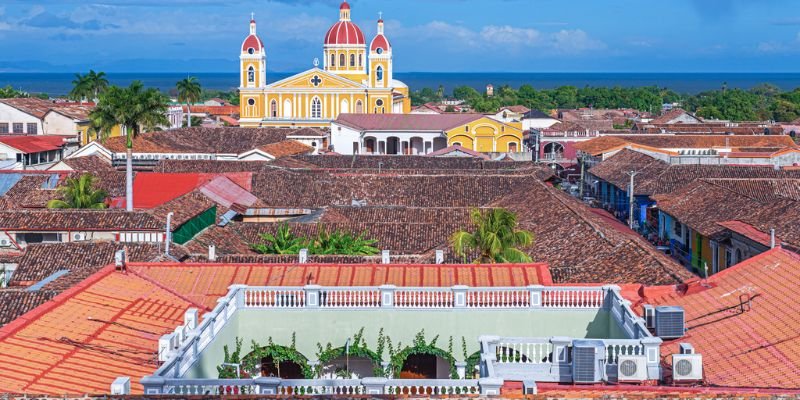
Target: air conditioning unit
<point>631,368</point>
<point>5,242</point>
<point>79,237</point>
<point>588,361</point>
<point>649,316</point>
<point>687,367</point>
<point>669,322</point>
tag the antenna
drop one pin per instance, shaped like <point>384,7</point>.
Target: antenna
<point>252,16</point>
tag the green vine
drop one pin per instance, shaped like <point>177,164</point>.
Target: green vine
<point>278,354</point>
<point>228,371</point>
<point>358,348</point>
<point>419,346</point>
<point>472,361</point>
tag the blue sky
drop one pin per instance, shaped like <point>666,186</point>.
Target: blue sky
<point>427,35</point>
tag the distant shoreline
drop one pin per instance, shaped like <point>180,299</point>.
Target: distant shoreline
<point>56,84</point>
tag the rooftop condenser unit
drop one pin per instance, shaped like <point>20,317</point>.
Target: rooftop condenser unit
<point>588,361</point>
<point>669,322</point>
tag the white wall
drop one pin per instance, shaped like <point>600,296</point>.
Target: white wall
<point>57,124</point>
<point>11,115</point>
<point>342,138</point>
<point>538,123</point>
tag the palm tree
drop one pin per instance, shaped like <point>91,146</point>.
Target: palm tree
<point>80,88</point>
<point>97,83</point>
<point>133,108</point>
<point>494,237</point>
<point>80,193</point>
<point>189,92</point>
<point>282,242</point>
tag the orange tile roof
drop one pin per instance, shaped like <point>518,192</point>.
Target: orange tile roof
<point>80,341</point>
<point>286,148</point>
<point>758,347</point>
<point>205,283</point>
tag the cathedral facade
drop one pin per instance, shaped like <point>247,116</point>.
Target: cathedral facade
<point>353,78</point>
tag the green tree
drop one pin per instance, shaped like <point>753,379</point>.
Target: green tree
<point>189,91</point>
<point>133,108</point>
<point>341,242</point>
<point>9,92</point>
<point>80,88</point>
<point>494,237</point>
<point>80,193</point>
<point>282,242</point>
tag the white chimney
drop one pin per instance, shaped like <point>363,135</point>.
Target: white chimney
<point>772,238</point>
<point>303,256</point>
<point>384,256</point>
<point>439,256</point>
<point>212,253</point>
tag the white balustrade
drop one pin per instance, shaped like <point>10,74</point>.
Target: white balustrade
<point>573,298</point>
<point>431,387</point>
<point>423,298</point>
<point>349,298</point>
<point>274,297</point>
<point>529,351</point>
<point>616,348</point>
<point>498,298</point>
<point>215,387</point>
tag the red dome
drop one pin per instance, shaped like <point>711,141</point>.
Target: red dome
<point>380,41</point>
<point>344,32</point>
<point>344,6</point>
<point>253,42</point>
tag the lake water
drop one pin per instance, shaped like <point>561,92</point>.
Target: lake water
<point>689,83</point>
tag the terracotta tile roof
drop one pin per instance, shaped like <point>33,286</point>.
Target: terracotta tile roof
<point>154,189</point>
<point>406,122</point>
<point>76,220</point>
<point>748,231</point>
<point>670,115</point>
<point>226,192</point>
<point>205,283</point>
<point>409,163</point>
<point>34,143</point>
<point>516,109</point>
<point>202,140</point>
<point>229,120</point>
<point>615,169</point>
<point>759,336</point>
<point>183,208</point>
<point>609,143</point>
<point>110,319</point>
<point>708,129</point>
<point>286,148</point>
<point>213,110</point>
<point>762,189</point>
<point>89,163</point>
<point>17,301</point>
<point>78,112</point>
<point>458,148</point>
<point>30,105</point>
<point>209,166</point>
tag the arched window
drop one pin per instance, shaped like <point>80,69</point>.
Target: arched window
<point>273,109</point>
<point>341,60</point>
<point>344,107</point>
<point>333,60</point>
<point>352,60</point>
<point>379,73</point>
<point>316,108</point>
<point>251,74</point>
<point>287,108</point>
<point>359,107</point>
<point>361,62</point>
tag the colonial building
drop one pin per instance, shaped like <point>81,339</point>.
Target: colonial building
<point>352,79</point>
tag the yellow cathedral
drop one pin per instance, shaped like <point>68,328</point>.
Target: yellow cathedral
<point>351,80</point>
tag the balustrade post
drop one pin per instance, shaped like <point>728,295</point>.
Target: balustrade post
<point>460,296</point>
<point>652,349</point>
<point>387,295</point>
<point>267,384</point>
<point>490,386</point>
<point>238,294</point>
<point>312,293</point>
<point>153,384</point>
<point>374,385</point>
<point>190,318</point>
<point>535,292</point>
<point>165,347</point>
<point>177,367</point>
<point>562,366</point>
<point>461,368</point>
<point>611,290</point>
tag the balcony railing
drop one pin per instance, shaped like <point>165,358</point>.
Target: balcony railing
<point>545,359</point>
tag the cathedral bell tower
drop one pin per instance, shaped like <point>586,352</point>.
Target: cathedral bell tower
<point>253,74</point>
<point>380,59</point>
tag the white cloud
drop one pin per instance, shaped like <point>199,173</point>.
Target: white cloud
<point>510,35</point>
<point>575,41</point>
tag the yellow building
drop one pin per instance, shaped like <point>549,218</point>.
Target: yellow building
<point>418,134</point>
<point>352,79</point>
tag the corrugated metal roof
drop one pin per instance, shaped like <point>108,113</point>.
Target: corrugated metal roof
<point>7,181</point>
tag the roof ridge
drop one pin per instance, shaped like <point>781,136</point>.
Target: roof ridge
<point>168,289</point>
